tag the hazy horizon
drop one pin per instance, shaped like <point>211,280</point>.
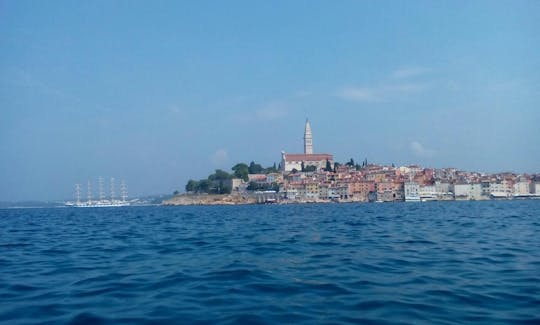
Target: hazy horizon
<point>158,93</point>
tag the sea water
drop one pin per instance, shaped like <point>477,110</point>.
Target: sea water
<point>408,263</point>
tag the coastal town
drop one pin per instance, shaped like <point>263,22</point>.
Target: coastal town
<point>316,177</point>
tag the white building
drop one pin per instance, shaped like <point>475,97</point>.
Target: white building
<point>468,191</point>
<point>536,187</point>
<point>412,192</point>
<point>500,189</point>
<point>290,161</point>
<point>522,188</point>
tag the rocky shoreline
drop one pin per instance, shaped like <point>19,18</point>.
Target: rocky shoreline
<point>209,199</point>
<point>234,199</point>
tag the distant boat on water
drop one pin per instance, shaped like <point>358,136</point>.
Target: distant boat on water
<point>102,202</point>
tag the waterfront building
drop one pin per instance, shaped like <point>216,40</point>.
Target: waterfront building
<point>444,190</point>
<point>471,191</point>
<point>485,189</point>
<point>257,178</point>
<point>428,193</point>
<point>412,191</point>
<point>235,184</point>
<point>360,189</point>
<point>501,189</point>
<point>535,188</point>
<point>399,191</point>
<point>341,191</point>
<point>311,191</point>
<point>292,190</point>
<point>522,188</point>
<point>385,191</point>
<point>323,191</point>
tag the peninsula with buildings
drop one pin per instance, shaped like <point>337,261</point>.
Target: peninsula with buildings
<point>316,177</point>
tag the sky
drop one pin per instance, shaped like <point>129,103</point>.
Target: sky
<point>158,92</point>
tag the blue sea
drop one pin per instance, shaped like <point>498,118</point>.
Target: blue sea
<point>387,263</point>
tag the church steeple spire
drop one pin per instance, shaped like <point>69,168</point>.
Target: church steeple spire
<point>308,140</point>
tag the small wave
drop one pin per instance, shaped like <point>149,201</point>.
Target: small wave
<point>88,318</point>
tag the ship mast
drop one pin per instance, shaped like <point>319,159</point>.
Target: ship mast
<point>100,184</point>
<point>89,192</point>
<point>78,191</point>
<point>112,189</point>
<point>123,190</point>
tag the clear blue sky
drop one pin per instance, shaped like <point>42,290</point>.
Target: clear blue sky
<point>157,92</point>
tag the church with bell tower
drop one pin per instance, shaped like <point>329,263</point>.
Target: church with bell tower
<point>295,161</point>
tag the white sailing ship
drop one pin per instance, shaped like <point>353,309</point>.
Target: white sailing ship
<point>102,202</point>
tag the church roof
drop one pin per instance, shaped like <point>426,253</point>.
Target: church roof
<point>308,157</point>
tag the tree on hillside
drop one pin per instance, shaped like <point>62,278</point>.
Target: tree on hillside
<point>254,168</point>
<point>328,167</point>
<point>350,163</point>
<point>220,187</point>
<point>192,186</point>
<point>272,169</point>
<point>219,175</point>
<point>241,170</point>
<point>336,166</point>
<point>204,185</point>
<point>252,186</point>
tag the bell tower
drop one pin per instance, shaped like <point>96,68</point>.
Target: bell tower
<point>308,140</point>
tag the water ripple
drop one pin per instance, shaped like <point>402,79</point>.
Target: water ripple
<point>434,263</point>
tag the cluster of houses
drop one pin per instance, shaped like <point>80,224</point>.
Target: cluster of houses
<point>387,184</point>
<point>314,177</point>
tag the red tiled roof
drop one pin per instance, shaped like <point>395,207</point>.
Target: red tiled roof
<point>304,157</point>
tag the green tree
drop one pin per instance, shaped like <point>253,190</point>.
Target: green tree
<point>176,192</point>
<point>310,168</point>
<point>254,168</point>
<point>271,169</point>
<point>303,167</point>
<point>274,186</point>
<point>241,170</point>
<point>336,166</point>
<point>328,166</point>
<point>219,175</point>
<point>225,189</point>
<point>204,186</point>
<point>220,187</point>
<point>192,186</point>
<point>252,186</point>
<point>350,163</point>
